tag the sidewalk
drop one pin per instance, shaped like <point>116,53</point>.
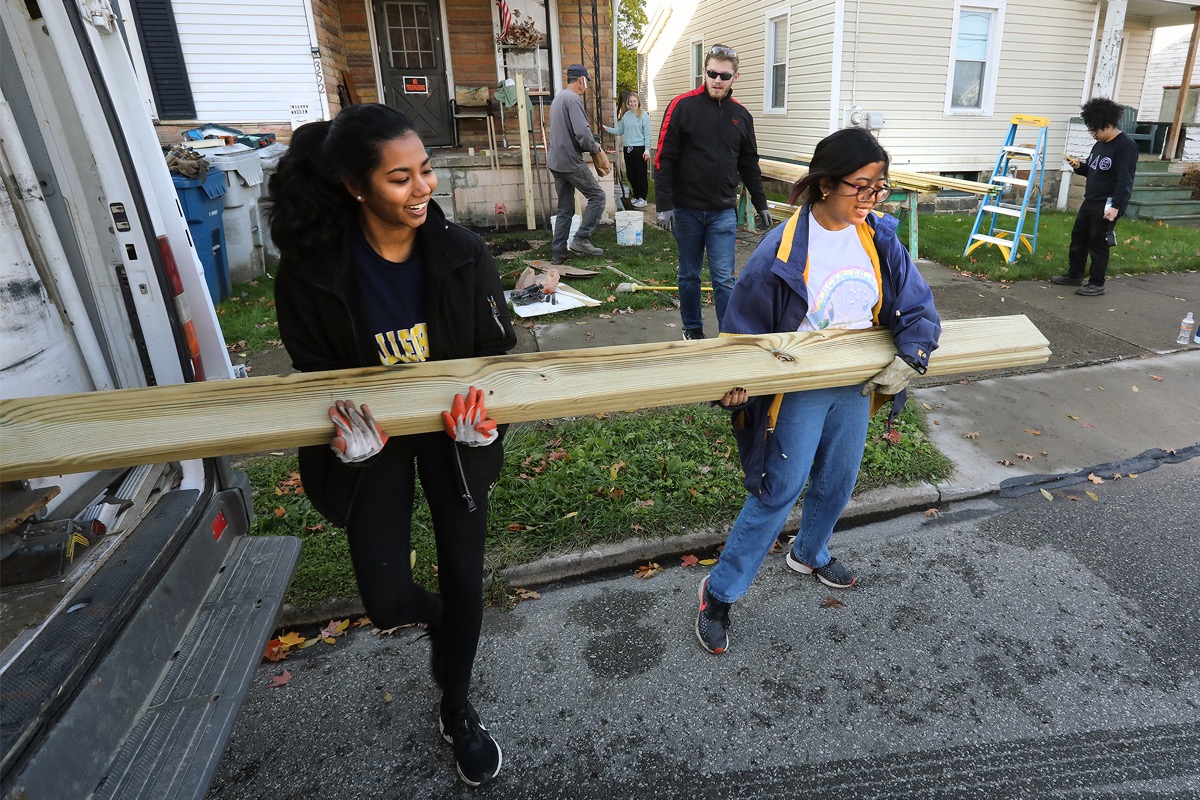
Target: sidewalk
<point>1098,400</point>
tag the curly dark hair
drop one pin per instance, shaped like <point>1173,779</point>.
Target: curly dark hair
<point>838,155</point>
<point>1100,113</point>
<point>310,206</point>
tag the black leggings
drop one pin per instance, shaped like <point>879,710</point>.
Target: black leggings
<point>379,531</point>
<point>635,168</point>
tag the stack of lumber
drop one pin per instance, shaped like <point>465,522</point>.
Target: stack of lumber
<point>68,433</point>
<point>899,178</point>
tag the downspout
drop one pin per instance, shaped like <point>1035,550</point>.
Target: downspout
<point>854,67</point>
<point>835,86</point>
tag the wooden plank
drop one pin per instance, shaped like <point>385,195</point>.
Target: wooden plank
<point>526,169</point>
<point>67,433</point>
<point>900,178</point>
<point>18,505</point>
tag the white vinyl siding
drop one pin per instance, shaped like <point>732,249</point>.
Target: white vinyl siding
<point>974,57</point>
<point>248,62</point>
<point>775,73</point>
<point>1165,69</point>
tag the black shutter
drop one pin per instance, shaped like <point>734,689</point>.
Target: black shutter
<point>164,59</point>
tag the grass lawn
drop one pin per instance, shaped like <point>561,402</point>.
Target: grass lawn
<point>1142,247</point>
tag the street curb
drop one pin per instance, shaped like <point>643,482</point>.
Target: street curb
<point>867,507</point>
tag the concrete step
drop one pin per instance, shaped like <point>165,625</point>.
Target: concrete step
<point>1157,194</point>
<point>1175,220</point>
<point>1159,209</point>
<point>1152,164</point>
<point>1155,178</point>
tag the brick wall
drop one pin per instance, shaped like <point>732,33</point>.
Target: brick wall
<point>327,17</point>
<point>356,38</point>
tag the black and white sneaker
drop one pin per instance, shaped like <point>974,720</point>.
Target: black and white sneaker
<point>712,621</point>
<point>693,333</point>
<point>833,574</point>
<point>475,751</point>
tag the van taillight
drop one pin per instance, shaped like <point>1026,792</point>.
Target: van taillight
<point>181,305</point>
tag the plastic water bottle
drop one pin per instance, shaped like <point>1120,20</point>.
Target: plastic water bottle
<point>1185,329</point>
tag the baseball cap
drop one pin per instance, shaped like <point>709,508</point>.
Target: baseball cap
<point>577,71</point>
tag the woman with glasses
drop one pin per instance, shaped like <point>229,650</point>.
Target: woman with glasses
<point>836,264</point>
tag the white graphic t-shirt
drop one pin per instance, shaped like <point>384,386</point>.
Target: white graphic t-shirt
<point>842,290</point>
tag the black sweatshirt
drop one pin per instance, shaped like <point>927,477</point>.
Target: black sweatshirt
<point>1109,170</point>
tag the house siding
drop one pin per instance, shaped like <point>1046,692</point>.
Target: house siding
<point>248,62</point>
<point>1165,69</point>
<point>896,61</point>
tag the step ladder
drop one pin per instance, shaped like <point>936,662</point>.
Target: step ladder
<point>1011,196</point>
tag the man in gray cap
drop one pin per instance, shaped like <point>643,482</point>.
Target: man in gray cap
<point>570,139</point>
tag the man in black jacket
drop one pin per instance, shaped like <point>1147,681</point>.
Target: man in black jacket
<point>1109,169</point>
<point>706,146</point>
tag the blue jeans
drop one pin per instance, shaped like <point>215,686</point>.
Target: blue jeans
<point>565,185</point>
<point>696,232</point>
<point>820,433</point>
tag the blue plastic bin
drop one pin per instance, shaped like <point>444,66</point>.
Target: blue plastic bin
<point>202,205</point>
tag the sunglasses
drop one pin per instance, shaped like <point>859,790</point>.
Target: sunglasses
<point>867,193</point>
<point>725,76</point>
<point>722,50</point>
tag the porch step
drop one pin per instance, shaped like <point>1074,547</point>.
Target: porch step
<point>1155,178</point>
<point>1159,194</point>
<point>1152,164</point>
<point>1175,220</point>
<point>1159,209</point>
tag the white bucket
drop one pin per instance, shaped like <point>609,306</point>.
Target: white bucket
<point>629,228</point>
<point>575,222</point>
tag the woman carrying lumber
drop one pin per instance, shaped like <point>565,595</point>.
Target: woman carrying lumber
<point>372,273</point>
<point>836,264</point>
<point>634,129</point>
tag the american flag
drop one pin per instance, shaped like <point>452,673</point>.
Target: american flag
<point>505,17</point>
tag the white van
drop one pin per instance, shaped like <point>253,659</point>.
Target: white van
<point>133,606</point>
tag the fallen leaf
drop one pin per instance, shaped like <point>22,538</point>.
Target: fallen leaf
<point>280,680</point>
<point>893,436</point>
<point>644,503</point>
<point>1116,476</point>
<point>1005,462</point>
<point>1094,478</point>
<point>515,526</point>
<point>776,548</point>
<point>292,639</point>
<point>526,594</point>
<point>932,513</point>
<point>1074,497</point>
<point>1155,378</point>
<point>647,570</point>
<point>926,406</point>
<point>707,562</point>
<point>1093,495</point>
<point>971,435</point>
<point>1047,495</point>
<point>387,696</point>
<point>688,561</point>
<point>1087,425</point>
<point>1132,475</point>
<point>275,651</point>
<point>832,602</point>
<point>1025,456</point>
<point>385,631</point>
<point>614,469</point>
<point>1033,431</point>
<point>1072,416</point>
<point>1136,389</point>
<point>361,622</point>
<point>333,630</point>
<point>569,514</point>
<point>280,511</point>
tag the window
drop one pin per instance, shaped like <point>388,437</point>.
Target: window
<point>775,80</point>
<point>697,63</point>
<point>974,57</point>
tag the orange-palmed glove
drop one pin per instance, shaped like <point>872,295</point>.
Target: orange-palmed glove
<point>358,437</point>
<point>467,422</point>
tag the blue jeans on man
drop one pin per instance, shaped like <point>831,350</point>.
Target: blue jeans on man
<point>697,232</point>
<point>820,434</point>
<point>565,186</point>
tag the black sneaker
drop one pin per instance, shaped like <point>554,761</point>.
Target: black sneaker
<point>693,333</point>
<point>833,574</point>
<point>475,751</point>
<point>712,621</point>
<point>559,259</point>
<point>1066,280</point>
<point>1091,290</point>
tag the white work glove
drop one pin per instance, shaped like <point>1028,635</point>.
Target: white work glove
<point>467,422</point>
<point>665,220</point>
<point>601,161</point>
<point>764,217</point>
<point>358,437</point>
<point>892,379</point>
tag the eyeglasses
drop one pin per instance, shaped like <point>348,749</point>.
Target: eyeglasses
<point>722,50</point>
<point>876,193</point>
<point>725,76</point>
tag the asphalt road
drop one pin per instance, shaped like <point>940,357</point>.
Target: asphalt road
<point>1009,648</point>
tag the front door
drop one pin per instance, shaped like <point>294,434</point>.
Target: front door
<point>411,56</point>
